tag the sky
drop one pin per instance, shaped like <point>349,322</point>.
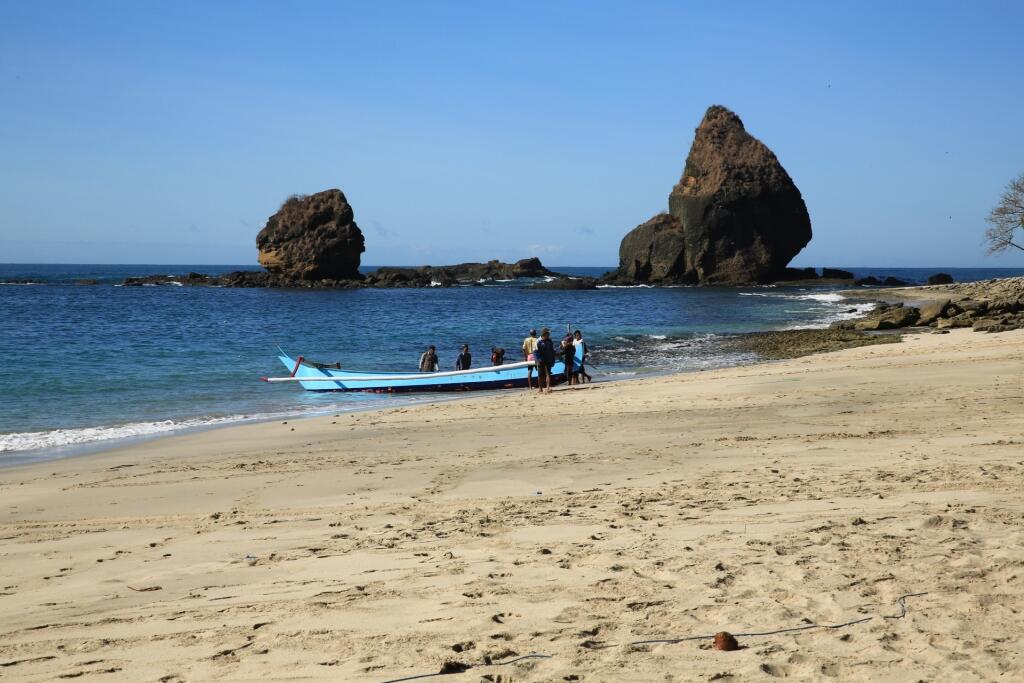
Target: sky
<point>168,132</point>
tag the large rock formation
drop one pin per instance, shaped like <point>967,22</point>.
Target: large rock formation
<point>312,238</point>
<point>735,216</point>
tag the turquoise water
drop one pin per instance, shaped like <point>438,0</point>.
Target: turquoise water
<point>92,364</point>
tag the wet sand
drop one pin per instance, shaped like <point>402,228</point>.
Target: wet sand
<point>375,546</point>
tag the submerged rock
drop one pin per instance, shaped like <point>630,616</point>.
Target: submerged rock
<point>567,283</point>
<point>312,238</point>
<point>795,343</point>
<point>734,217</point>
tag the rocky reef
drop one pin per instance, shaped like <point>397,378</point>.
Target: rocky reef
<point>463,273</point>
<point>735,217</point>
<point>987,306</point>
<point>314,237</point>
<point>387,277</point>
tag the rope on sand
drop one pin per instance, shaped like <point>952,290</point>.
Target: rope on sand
<point>466,667</point>
<point>901,601</point>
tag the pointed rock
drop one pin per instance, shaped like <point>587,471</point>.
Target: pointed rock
<point>734,217</point>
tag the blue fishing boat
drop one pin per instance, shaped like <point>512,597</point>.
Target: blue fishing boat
<point>313,376</point>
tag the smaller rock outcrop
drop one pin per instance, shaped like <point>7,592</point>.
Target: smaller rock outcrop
<point>567,283</point>
<point>798,275</point>
<point>462,273</point>
<point>889,318</point>
<point>940,279</point>
<point>836,274</point>
<point>312,238</point>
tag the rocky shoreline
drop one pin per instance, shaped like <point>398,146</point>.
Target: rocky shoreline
<point>985,306</point>
<point>989,306</point>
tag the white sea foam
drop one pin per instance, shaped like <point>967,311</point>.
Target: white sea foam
<point>435,283</point>
<point>827,298</point>
<point>57,438</point>
<point>854,311</point>
<point>625,286</point>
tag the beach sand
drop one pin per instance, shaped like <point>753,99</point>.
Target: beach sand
<point>381,545</point>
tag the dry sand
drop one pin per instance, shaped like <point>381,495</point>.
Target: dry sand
<point>381,545</point>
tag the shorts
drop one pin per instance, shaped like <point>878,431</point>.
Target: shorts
<point>543,369</point>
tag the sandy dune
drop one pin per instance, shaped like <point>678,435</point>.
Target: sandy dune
<point>376,546</point>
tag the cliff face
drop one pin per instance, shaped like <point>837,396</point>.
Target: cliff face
<point>734,217</point>
<point>312,238</point>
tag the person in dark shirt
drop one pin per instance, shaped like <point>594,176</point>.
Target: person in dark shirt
<point>568,357</point>
<point>497,356</point>
<point>545,355</point>
<point>464,359</point>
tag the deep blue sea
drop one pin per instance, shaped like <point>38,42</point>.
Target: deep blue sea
<point>89,365</point>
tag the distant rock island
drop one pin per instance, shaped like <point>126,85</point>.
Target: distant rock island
<point>313,242</point>
<point>312,238</point>
<point>735,217</point>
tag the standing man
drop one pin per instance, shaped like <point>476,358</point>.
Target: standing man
<point>568,356</point>
<point>464,360</point>
<point>545,355</point>
<point>428,360</point>
<point>529,349</point>
<point>580,371</point>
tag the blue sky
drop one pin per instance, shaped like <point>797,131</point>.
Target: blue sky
<point>167,132</point>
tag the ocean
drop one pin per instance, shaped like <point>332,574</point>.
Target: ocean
<point>89,366</point>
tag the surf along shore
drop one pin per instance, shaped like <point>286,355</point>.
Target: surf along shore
<point>460,535</point>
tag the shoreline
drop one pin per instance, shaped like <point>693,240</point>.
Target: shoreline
<point>383,544</point>
<point>771,345</point>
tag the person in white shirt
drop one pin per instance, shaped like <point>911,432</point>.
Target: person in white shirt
<point>580,371</point>
<point>529,348</point>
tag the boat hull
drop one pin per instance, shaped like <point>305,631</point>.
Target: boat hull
<point>324,380</point>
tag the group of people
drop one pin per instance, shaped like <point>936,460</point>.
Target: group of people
<point>542,352</point>
<point>545,354</point>
<point>464,361</point>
